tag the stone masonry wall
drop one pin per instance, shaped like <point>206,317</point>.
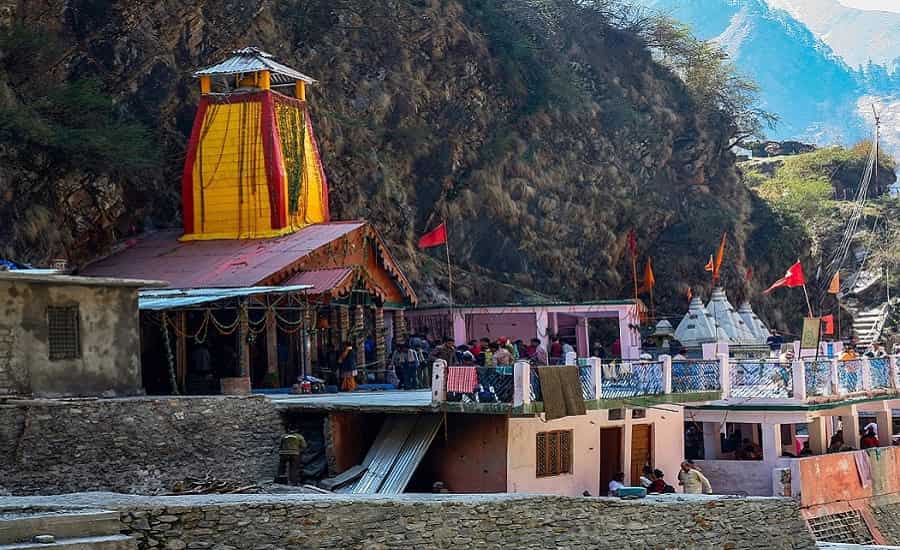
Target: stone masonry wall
<point>489,522</point>
<point>135,445</point>
<point>886,512</point>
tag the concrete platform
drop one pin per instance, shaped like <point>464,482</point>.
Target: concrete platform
<point>381,401</point>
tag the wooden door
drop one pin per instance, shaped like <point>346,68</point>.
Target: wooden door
<point>610,457</point>
<point>640,451</point>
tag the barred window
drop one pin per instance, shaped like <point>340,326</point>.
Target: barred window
<point>554,453</point>
<point>642,413</point>
<point>616,414</point>
<point>63,333</point>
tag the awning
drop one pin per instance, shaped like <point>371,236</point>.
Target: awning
<point>167,299</point>
<point>396,453</point>
<point>324,281</point>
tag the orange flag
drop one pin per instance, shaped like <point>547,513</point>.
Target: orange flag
<point>710,265</point>
<point>720,255</point>
<point>649,279</point>
<point>835,286</point>
<point>690,294</point>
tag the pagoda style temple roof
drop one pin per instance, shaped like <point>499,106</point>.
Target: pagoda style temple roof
<point>252,59</point>
<point>754,323</point>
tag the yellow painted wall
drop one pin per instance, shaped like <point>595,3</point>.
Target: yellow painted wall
<point>231,169</point>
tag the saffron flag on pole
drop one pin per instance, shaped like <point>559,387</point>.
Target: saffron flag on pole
<point>835,286</point>
<point>710,265</point>
<point>435,237</point>
<point>792,278</point>
<point>649,279</point>
<point>690,294</point>
<point>720,255</point>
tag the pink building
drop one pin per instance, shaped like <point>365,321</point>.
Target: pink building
<point>606,320</point>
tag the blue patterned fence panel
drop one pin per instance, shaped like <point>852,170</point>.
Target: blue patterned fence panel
<point>587,382</point>
<point>632,379</point>
<point>850,375</point>
<point>695,376</point>
<point>761,379</point>
<point>535,386</point>
<point>818,377</point>
<point>881,372</point>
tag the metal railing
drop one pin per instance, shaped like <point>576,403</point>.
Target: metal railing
<point>761,379</point>
<point>850,376</point>
<point>632,379</point>
<point>880,369</point>
<point>586,375</point>
<point>818,377</point>
<point>695,376</point>
<point>490,385</point>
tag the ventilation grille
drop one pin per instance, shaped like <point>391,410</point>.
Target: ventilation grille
<point>846,527</point>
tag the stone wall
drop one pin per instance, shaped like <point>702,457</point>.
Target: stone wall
<point>228,522</point>
<point>886,513</point>
<point>135,445</point>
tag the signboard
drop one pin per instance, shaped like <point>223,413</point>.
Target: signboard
<point>811,332</point>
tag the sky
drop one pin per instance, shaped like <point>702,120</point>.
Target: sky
<point>885,5</point>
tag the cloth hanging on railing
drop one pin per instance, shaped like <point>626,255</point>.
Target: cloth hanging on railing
<point>863,468</point>
<point>462,379</point>
<point>570,380</point>
<point>561,392</point>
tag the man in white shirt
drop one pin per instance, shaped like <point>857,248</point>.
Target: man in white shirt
<point>618,482</point>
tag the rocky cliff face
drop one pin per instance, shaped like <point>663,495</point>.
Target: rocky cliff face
<point>540,131</point>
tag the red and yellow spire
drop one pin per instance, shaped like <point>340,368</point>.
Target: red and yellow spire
<point>253,167</point>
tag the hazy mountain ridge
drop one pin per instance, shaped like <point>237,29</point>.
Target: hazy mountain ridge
<point>815,93</point>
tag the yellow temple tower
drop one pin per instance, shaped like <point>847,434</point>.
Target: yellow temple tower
<point>252,168</point>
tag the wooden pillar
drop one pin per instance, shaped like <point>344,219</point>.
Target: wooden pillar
<point>344,324</point>
<point>265,80</point>
<point>380,348</point>
<point>300,90</point>
<point>400,333</point>
<point>181,365</point>
<point>359,335</point>
<point>205,85</point>
<point>334,327</point>
<point>243,347</point>
<point>273,380</point>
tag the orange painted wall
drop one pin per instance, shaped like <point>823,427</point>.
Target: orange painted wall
<point>833,478</point>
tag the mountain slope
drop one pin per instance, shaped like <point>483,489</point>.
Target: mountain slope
<point>858,36</point>
<point>539,130</point>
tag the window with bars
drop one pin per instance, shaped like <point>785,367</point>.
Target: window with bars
<point>63,335</point>
<point>554,453</point>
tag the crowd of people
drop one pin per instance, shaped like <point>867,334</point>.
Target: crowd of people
<point>690,478</point>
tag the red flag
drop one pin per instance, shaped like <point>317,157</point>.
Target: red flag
<point>794,277</point>
<point>835,286</point>
<point>435,237</point>
<point>829,324</point>
<point>720,255</point>
<point>749,274</point>
<point>632,242</point>
<point>710,265</point>
<point>690,294</point>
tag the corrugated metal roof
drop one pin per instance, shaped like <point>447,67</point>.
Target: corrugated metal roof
<point>248,60</point>
<point>322,280</point>
<point>168,299</point>
<point>411,455</point>
<point>227,263</point>
<point>396,453</point>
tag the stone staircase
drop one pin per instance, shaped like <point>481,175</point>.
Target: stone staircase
<point>867,325</point>
<point>71,530</point>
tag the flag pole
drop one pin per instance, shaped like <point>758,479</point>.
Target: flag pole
<point>634,276</point>
<point>808,305</point>
<point>449,268</point>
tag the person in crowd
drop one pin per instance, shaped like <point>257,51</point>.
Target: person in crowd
<point>446,351</point>
<point>347,362</point>
<point>837,445</point>
<point>398,362</point>
<point>598,350</point>
<point>616,348</point>
<point>421,368</point>
<point>369,348</point>
<point>806,450</point>
<point>869,440</point>
<point>647,477</point>
<point>618,482</point>
<point>774,341</point>
<point>556,351</point>
<point>877,351</point>
<point>502,357</point>
<point>490,355</point>
<point>849,353</point>
<point>787,356</point>
<point>474,347</point>
<point>539,355</point>
<point>484,352</point>
<point>693,480</point>
<point>521,350</point>
<point>680,355</point>
<point>749,451</point>
<point>659,485</point>
<point>567,349</point>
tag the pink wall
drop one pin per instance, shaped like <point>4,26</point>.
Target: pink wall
<point>832,478</point>
<point>494,325</point>
<point>668,446</point>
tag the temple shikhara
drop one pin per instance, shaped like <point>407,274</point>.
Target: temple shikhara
<point>263,286</point>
